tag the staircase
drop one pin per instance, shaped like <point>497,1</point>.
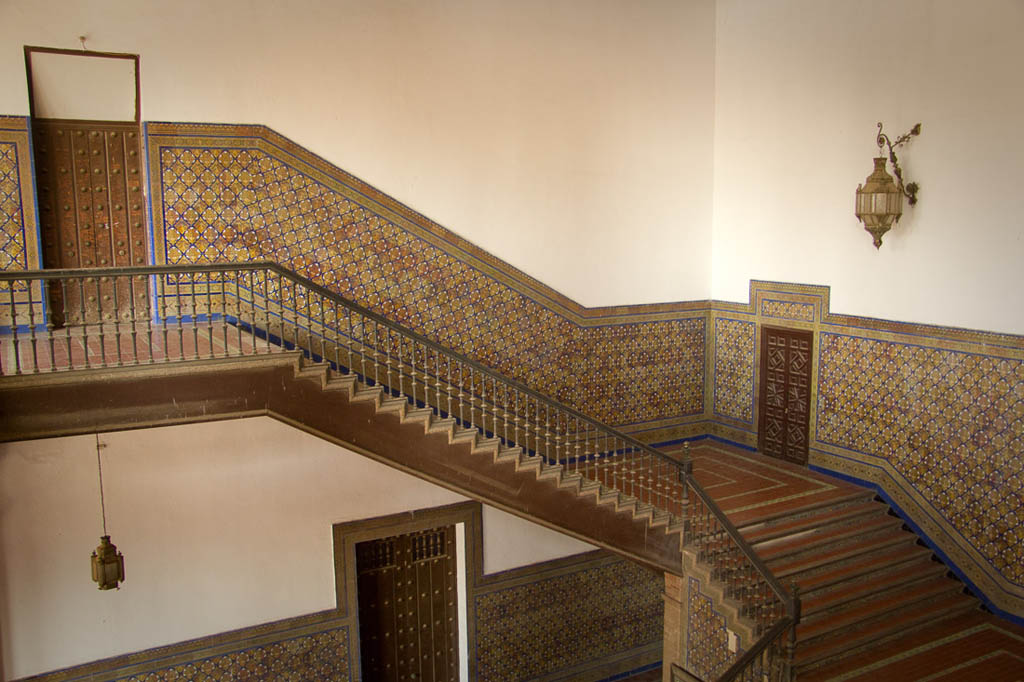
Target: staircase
<point>262,341</point>
<point>863,580</point>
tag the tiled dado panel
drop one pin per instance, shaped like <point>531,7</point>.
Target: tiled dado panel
<point>587,617</point>
<point>949,422</point>
<point>707,639</point>
<point>300,649</point>
<point>19,232</point>
<point>933,416</point>
<point>574,624</point>
<point>243,193</point>
<point>733,371</point>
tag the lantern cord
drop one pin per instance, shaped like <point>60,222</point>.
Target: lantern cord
<point>99,466</point>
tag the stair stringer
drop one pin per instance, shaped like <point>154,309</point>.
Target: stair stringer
<point>744,627</point>
<point>340,410</point>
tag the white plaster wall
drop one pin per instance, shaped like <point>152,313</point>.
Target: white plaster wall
<point>800,85</point>
<point>222,525</point>
<point>76,86</point>
<point>572,139</point>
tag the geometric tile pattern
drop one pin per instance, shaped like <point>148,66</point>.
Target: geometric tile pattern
<point>734,369</point>
<point>243,203</point>
<point>788,310</point>
<point>548,625</point>
<point>13,254</point>
<point>951,422</point>
<point>707,639</point>
<point>317,656</point>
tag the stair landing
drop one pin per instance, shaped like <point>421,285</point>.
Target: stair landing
<point>805,525</point>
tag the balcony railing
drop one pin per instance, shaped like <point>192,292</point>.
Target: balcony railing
<point>65,320</point>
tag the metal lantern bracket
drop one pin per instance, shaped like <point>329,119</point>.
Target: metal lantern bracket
<point>910,189</point>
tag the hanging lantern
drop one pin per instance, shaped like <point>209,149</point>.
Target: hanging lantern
<point>107,565</point>
<point>107,562</point>
<point>879,202</point>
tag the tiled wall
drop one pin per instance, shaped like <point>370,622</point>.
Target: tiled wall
<point>241,193</point>
<point>568,624</point>
<point>19,242</point>
<point>587,617</point>
<point>932,416</point>
<point>707,639</point>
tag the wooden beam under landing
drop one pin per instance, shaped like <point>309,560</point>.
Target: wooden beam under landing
<point>69,403</point>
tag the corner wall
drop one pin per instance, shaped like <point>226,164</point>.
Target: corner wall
<point>799,88</point>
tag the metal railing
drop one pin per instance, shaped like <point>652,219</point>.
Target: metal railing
<point>61,320</point>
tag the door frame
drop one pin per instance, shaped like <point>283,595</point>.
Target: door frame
<point>348,535</point>
<point>29,49</point>
<point>761,387</point>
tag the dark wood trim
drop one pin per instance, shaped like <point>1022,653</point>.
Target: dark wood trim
<point>29,49</point>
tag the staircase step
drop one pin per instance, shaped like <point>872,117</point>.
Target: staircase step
<point>847,512</point>
<point>873,608</point>
<point>487,446</point>
<point>441,425</point>
<point>393,405</point>
<point>852,550</point>
<point>783,510</point>
<point>345,383</point>
<point>371,394</point>
<point>817,540</point>
<point>884,581</point>
<point>843,644</point>
<point>418,414</point>
<point>829,578</point>
<point>507,454</point>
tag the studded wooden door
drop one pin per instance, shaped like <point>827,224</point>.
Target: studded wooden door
<point>408,607</point>
<point>785,396</point>
<point>91,201</point>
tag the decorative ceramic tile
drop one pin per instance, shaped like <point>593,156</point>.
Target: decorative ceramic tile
<point>19,243</point>
<point>734,369</point>
<point>707,646</point>
<point>12,220</point>
<point>320,656</point>
<point>951,422</point>
<point>526,631</point>
<point>253,201</point>
<point>787,310</point>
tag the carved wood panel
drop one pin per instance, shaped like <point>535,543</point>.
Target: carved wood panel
<point>408,607</point>
<point>92,208</point>
<point>785,394</point>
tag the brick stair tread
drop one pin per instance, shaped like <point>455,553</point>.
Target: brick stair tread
<point>837,514</point>
<point>872,607</point>
<point>810,539</point>
<point>866,565</point>
<point>778,511</point>
<point>918,637</point>
<point>906,574</point>
<point>845,552</point>
<point>848,642</point>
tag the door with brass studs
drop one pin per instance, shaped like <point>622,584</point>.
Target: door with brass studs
<point>92,208</point>
<point>408,607</point>
<point>785,395</point>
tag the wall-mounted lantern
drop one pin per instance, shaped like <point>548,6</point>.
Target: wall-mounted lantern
<point>107,562</point>
<point>880,199</point>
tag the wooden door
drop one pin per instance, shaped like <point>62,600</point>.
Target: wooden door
<point>408,610</point>
<point>785,395</point>
<point>89,179</point>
